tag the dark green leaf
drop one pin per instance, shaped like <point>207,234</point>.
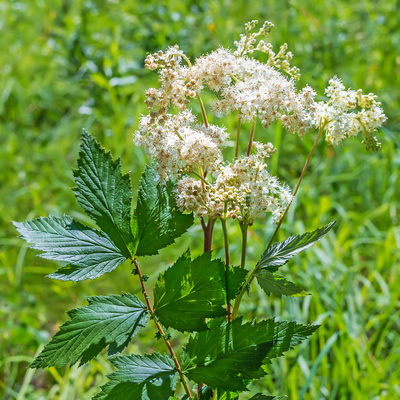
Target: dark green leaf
<point>106,320</point>
<point>192,290</point>
<point>159,222</point>
<point>206,393</point>
<point>104,193</point>
<point>148,377</point>
<point>235,279</point>
<point>278,285</point>
<point>227,354</point>
<point>90,252</point>
<point>282,252</point>
<point>260,396</point>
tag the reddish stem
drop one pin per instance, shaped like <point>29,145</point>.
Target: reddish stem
<point>160,329</point>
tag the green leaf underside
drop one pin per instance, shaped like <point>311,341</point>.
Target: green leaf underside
<point>227,354</point>
<point>278,285</point>
<point>192,290</point>
<point>280,253</point>
<point>107,320</point>
<point>104,193</point>
<point>89,252</point>
<point>159,222</point>
<point>149,377</point>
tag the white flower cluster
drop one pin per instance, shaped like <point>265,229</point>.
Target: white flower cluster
<point>243,190</point>
<point>179,145</point>
<point>191,152</point>
<point>263,92</point>
<point>347,113</point>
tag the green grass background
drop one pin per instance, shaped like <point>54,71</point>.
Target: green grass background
<point>70,64</point>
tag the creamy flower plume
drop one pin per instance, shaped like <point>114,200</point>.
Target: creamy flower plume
<point>341,118</point>
<point>263,92</point>
<point>191,152</point>
<point>243,190</point>
<point>178,145</point>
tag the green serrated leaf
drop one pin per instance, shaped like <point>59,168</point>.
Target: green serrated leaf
<point>149,377</point>
<point>260,396</point>
<point>278,285</point>
<point>192,290</point>
<point>159,221</point>
<point>235,279</point>
<point>91,253</point>
<point>280,253</point>
<point>106,320</point>
<point>104,193</point>
<point>227,354</point>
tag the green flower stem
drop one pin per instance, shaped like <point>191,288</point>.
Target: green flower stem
<point>160,329</point>
<point>203,110</point>
<point>226,244</point>
<point>235,310</point>
<point>298,184</point>
<point>253,128</point>
<point>255,270</point>
<point>237,138</point>
<point>199,175</point>
<point>244,229</point>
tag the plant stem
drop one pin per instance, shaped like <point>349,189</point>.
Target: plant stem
<point>255,270</point>
<point>235,310</point>
<point>226,243</point>
<point>203,110</point>
<point>253,128</point>
<point>297,185</point>
<point>237,138</point>
<point>208,232</point>
<point>160,329</point>
<point>244,228</point>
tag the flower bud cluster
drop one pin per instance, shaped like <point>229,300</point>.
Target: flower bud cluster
<point>341,117</point>
<point>170,59</point>
<point>247,42</point>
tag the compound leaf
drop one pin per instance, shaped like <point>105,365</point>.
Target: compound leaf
<point>280,253</point>
<point>192,290</point>
<point>104,193</point>
<point>230,353</point>
<point>106,320</point>
<point>159,221</point>
<point>89,252</point>
<point>149,377</point>
<point>278,285</point>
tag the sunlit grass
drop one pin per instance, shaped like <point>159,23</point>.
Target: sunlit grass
<point>57,57</point>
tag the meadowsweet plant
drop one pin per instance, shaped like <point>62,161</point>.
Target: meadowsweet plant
<point>188,180</point>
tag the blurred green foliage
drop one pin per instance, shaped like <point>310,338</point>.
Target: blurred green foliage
<point>70,64</point>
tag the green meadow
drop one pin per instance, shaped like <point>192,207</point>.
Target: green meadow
<point>69,64</point>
